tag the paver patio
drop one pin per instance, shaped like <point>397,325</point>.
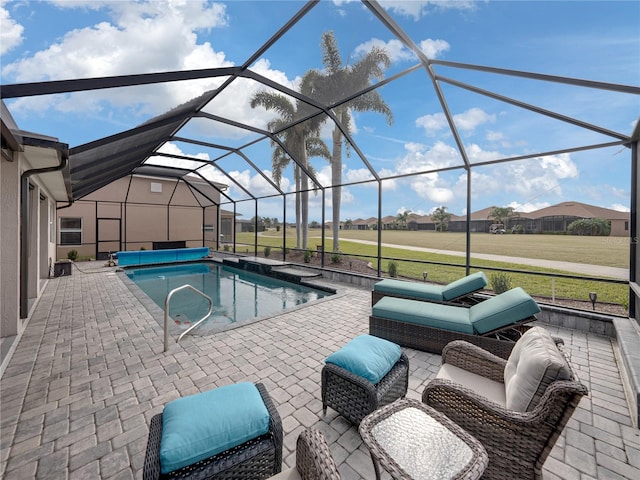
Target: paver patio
<point>90,372</point>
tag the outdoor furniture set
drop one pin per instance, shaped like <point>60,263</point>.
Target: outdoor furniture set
<point>405,315</point>
<point>483,415</point>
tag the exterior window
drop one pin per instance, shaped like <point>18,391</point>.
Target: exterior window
<point>70,231</point>
<point>156,187</point>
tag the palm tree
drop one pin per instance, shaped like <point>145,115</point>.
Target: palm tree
<point>441,218</point>
<point>302,140</point>
<point>403,217</point>
<point>338,82</point>
<point>501,214</point>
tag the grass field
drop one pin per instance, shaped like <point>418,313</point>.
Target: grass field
<point>606,251</point>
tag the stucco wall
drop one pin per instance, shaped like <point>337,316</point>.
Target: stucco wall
<point>9,253</point>
<point>142,215</point>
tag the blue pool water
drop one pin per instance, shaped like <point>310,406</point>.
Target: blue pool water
<point>238,296</point>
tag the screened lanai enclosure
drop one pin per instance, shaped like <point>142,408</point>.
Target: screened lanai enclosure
<point>343,142</point>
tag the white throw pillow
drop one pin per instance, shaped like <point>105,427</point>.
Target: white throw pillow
<point>535,362</point>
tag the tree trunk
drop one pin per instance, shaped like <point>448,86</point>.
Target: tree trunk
<point>336,181</point>
<point>298,200</point>
<point>304,201</point>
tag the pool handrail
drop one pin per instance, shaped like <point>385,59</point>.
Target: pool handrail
<point>166,314</point>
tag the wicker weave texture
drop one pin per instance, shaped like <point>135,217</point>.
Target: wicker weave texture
<point>472,470</point>
<point>313,457</point>
<point>518,443</point>
<point>429,339</point>
<point>353,397</point>
<point>256,459</point>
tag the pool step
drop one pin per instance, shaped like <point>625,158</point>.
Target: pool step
<point>276,269</point>
<point>291,274</point>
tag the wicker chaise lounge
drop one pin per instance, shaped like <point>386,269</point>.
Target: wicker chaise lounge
<point>454,292</point>
<point>517,408</point>
<point>430,326</point>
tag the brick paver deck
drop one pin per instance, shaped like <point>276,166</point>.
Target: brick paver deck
<point>89,373</point>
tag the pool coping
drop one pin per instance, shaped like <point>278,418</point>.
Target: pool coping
<point>158,313</point>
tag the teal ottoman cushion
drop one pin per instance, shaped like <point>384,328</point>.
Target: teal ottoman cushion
<point>367,356</point>
<point>436,315</point>
<point>199,426</point>
<point>502,310</point>
<point>426,291</point>
<point>465,285</point>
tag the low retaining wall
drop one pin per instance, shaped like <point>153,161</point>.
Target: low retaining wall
<point>146,257</point>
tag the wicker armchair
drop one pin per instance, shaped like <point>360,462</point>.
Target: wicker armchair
<point>518,442</point>
<point>313,459</point>
<point>355,397</point>
<point>259,458</point>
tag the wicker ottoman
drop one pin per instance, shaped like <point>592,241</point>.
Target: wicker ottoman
<point>353,396</point>
<point>256,458</point>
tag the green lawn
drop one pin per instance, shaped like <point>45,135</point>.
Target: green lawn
<point>607,251</point>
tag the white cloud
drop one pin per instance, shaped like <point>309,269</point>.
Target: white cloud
<point>527,179</point>
<point>135,41</point>
<point>494,136</point>
<point>619,207</point>
<point>357,175</point>
<point>421,157</point>
<point>433,48</point>
<point>528,206</point>
<point>399,53</point>
<point>467,121</point>
<point>10,31</point>
<point>539,176</point>
<point>432,124</point>
<point>472,118</point>
<point>420,8</point>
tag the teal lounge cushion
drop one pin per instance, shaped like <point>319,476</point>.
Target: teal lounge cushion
<point>436,315</point>
<point>502,310</point>
<point>464,286</point>
<point>199,426</point>
<point>424,291</point>
<point>367,356</point>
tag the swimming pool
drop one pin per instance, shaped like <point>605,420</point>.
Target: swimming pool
<point>238,296</point>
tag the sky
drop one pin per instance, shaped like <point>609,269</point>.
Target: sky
<point>591,40</point>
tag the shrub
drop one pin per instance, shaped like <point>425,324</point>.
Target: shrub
<point>72,255</point>
<point>393,268</point>
<point>308,254</point>
<point>336,257</point>
<point>590,226</point>
<point>267,251</point>
<point>500,282</point>
<point>226,248</point>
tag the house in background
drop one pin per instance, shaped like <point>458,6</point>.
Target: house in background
<point>34,177</point>
<point>553,219</point>
<point>557,218</point>
<point>141,211</point>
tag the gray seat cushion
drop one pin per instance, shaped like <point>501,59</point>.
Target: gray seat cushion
<point>490,389</point>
